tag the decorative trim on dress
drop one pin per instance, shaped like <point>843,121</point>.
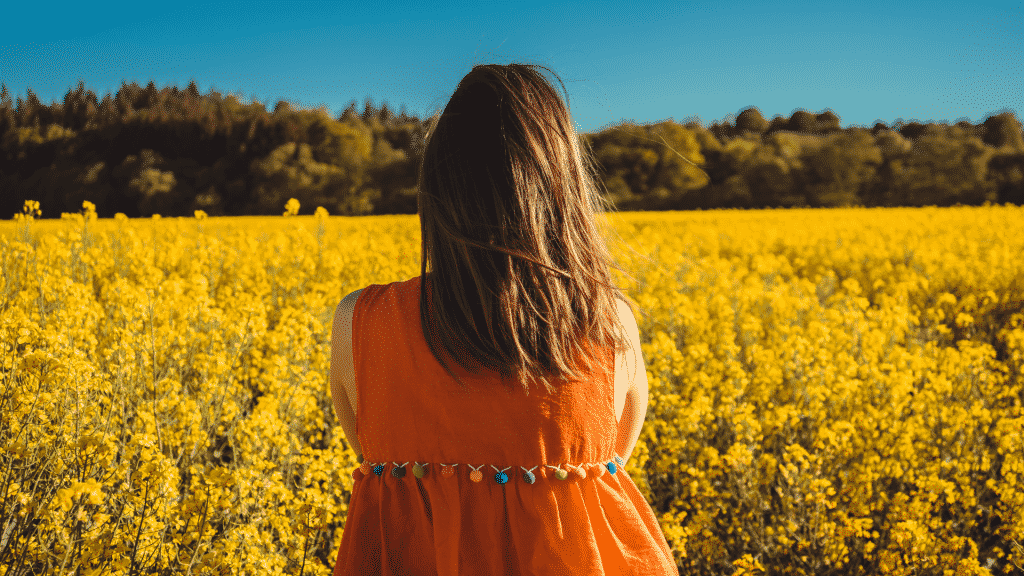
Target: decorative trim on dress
<point>419,470</point>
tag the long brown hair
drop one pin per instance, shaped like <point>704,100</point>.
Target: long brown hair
<point>520,277</point>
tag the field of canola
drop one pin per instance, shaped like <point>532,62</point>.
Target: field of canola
<point>831,391</point>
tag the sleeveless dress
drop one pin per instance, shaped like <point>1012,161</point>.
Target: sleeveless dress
<point>485,481</point>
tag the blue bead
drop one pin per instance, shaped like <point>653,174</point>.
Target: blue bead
<point>501,477</point>
<point>378,469</point>
<point>611,467</point>
<point>529,477</point>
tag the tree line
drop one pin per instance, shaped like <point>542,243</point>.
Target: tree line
<point>146,151</point>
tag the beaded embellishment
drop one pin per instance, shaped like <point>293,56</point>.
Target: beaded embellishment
<point>419,470</point>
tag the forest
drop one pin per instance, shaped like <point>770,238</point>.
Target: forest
<point>146,151</point>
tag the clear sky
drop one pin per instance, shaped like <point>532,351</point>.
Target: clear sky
<point>644,61</point>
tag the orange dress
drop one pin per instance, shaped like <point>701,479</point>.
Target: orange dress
<point>470,482</point>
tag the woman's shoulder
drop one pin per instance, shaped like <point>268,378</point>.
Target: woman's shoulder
<point>400,287</point>
<point>352,296</point>
<point>343,313</point>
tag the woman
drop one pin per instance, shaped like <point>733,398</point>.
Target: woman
<point>493,401</point>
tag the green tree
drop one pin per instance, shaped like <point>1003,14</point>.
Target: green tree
<point>649,165</point>
<point>347,144</point>
<point>946,166</point>
<point>79,107</point>
<point>1004,131</point>
<point>291,171</point>
<point>152,185</point>
<point>678,170</point>
<point>352,148</point>
<point>731,188</point>
<point>838,171</point>
<point>827,122</point>
<point>126,99</point>
<point>1006,172</point>
<point>895,151</point>
<point>626,162</point>
<point>751,120</point>
<point>6,110</point>
<point>62,188</point>
<point>802,121</point>
<point>774,171</point>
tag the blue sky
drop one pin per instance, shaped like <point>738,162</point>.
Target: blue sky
<point>641,61</point>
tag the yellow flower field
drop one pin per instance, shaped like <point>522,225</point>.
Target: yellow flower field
<point>831,391</point>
